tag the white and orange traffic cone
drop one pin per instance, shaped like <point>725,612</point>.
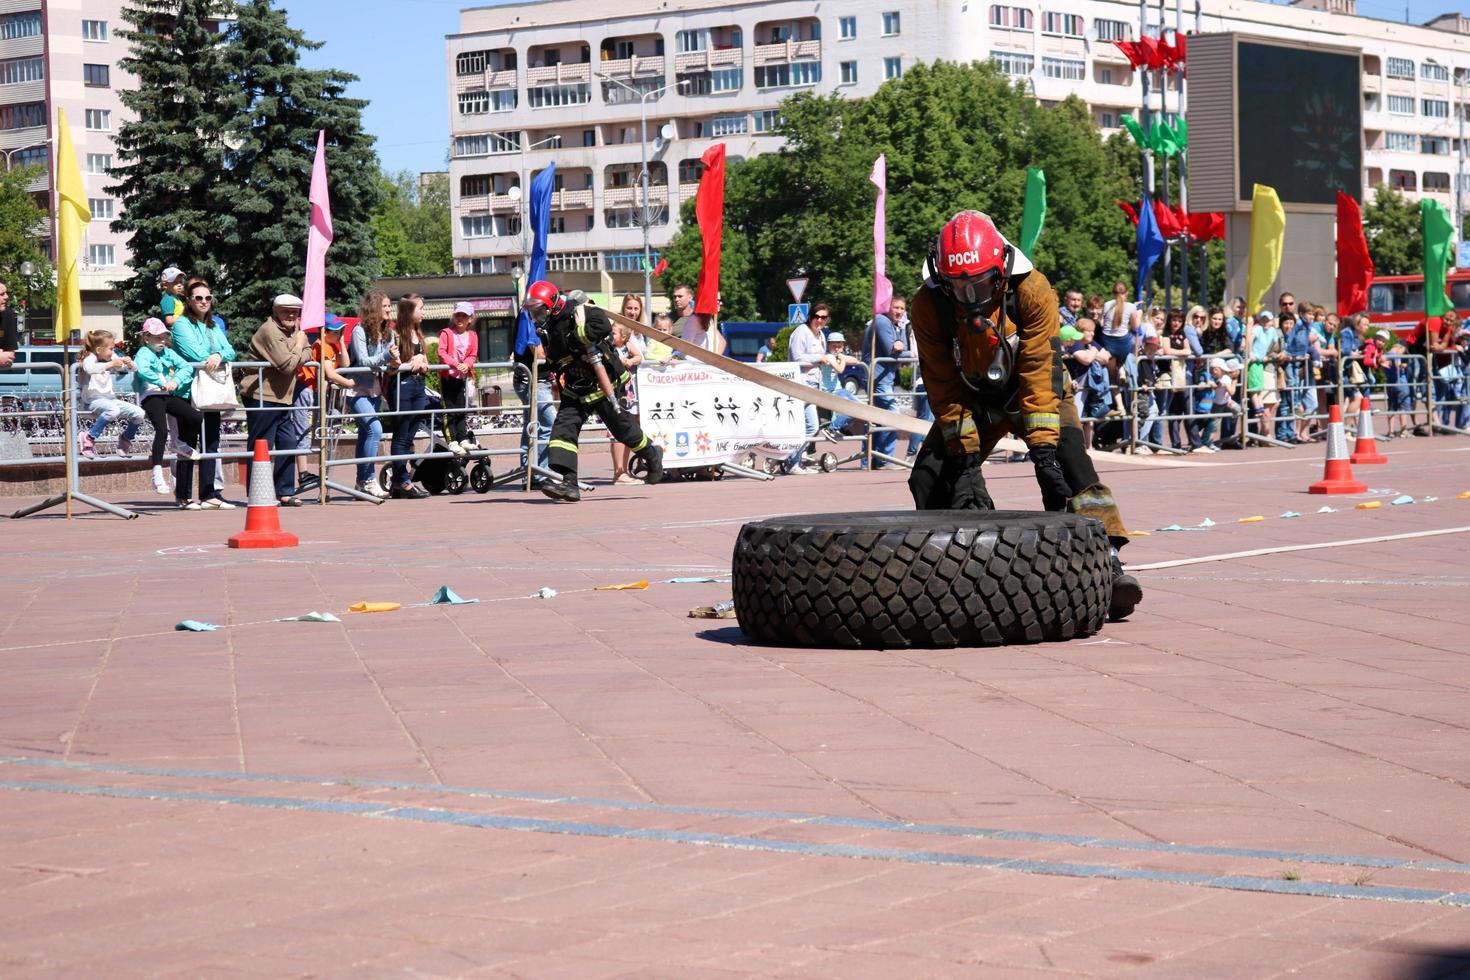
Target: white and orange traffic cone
<point>1338,476</point>
<point>1365,450</point>
<point>262,520</point>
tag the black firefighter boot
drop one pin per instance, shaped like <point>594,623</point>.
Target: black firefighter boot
<point>564,487</point>
<point>653,457</point>
<point>1127,593</point>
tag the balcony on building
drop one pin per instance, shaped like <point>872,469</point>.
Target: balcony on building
<point>621,190</point>
<point>778,41</point>
<point>706,49</point>
<point>485,70</point>
<point>572,189</point>
<point>1372,73</point>
<point>560,138</point>
<point>488,193</point>
<point>690,170</point>
<point>1403,180</point>
<point>557,65</point>
<point>636,60</point>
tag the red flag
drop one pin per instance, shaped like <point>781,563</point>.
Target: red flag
<point>1153,56</point>
<point>1181,219</point>
<point>1167,221</point>
<point>1354,266</point>
<point>709,210</point>
<point>1133,51</point>
<point>1130,209</point>
<point>661,268</point>
<point>1172,55</point>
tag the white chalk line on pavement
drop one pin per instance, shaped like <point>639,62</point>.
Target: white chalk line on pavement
<point>1287,548</point>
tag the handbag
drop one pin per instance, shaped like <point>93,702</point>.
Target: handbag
<point>214,391</point>
<point>1176,374</point>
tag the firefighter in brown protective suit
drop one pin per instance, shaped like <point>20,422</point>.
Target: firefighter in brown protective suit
<point>986,326</point>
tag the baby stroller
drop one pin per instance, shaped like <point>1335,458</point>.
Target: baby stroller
<point>442,471</point>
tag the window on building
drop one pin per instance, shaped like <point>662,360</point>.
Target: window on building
<point>1064,68</point>
<point>847,28</point>
<point>96,76</point>
<point>892,67</point>
<point>1432,72</point>
<point>28,24</point>
<point>1105,76</point>
<point>689,42</point>
<point>477,225</point>
<point>1400,68</point>
<point>474,103</point>
<point>93,30</point>
<point>1403,180</point>
<point>1437,182</point>
<point>849,73</point>
<point>1011,63</point>
<point>102,255</point>
<point>17,70</point>
<point>788,74</point>
<point>767,120</point>
<point>1112,30</point>
<point>1070,25</point>
<point>99,120</point>
<point>103,208</point>
<point>891,23</point>
<point>1107,120</point>
<point>474,185</point>
<point>547,96</point>
<point>589,137</point>
<point>728,125</point>
<point>1435,145</point>
<point>690,171</point>
<point>1018,18</point>
<point>487,144</point>
<point>727,79</point>
<point>1401,105</point>
<point>1401,142</point>
<point>99,163</point>
<point>471,62</point>
<point>31,156</point>
<point>572,262</point>
<point>24,115</point>
<point>1435,108</point>
<point>626,261</point>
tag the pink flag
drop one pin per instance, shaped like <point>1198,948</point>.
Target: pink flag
<point>882,288</point>
<point>314,297</point>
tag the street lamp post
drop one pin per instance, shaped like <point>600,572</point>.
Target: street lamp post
<point>643,98</point>
<point>18,149</point>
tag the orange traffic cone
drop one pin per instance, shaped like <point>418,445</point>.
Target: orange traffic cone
<point>262,523</point>
<point>1365,450</point>
<point>1338,476</point>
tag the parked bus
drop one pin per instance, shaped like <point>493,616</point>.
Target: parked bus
<point>1397,302</point>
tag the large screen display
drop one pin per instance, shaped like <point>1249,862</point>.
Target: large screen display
<point>1301,123</point>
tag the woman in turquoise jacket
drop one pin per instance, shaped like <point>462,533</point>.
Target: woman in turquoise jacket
<point>163,380</point>
<point>197,341</point>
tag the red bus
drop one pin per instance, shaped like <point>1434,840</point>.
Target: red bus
<point>1397,302</point>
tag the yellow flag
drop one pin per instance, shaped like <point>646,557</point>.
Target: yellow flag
<point>1268,230</point>
<point>72,215</point>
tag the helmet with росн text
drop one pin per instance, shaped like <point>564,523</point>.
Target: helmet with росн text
<point>542,301</point>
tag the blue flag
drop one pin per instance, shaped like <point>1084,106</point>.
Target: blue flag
<point>541,188</point>
<point>1150,243</point>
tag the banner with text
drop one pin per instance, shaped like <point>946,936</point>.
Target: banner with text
<point>702,416</point>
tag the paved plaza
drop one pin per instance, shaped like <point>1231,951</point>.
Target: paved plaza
<point>1266,771</point>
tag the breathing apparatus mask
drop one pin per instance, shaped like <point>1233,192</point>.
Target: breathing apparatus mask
<point>980,301</point>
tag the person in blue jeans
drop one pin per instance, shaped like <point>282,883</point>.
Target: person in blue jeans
<point>545,404</point>
<point>370,352</point>
<point>412,393</point>
<point>882,339</point>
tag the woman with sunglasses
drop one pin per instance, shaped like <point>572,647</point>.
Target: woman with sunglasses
<point>196,340</point>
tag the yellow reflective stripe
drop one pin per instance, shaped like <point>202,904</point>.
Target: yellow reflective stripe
<point>1093,501</point>
<point>958,430</point>
<point>641,445</point>
<point>570,447</point>
<point>1042,420</point>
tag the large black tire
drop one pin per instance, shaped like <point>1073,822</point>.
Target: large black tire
<point>921,579</point>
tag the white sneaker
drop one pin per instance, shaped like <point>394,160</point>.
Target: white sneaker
<point>1143,451</point>
<point>800,471</point>
<point>160,483</point>
<point>216,503</point>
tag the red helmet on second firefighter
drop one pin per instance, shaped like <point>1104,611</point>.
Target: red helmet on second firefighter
<point>543,300</point>
<point>971,259</point>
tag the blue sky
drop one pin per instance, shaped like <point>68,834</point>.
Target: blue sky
<point>396,48</point>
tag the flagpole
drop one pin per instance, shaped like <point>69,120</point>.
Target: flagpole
<point>1148,156</point>
<point>1164,120</point>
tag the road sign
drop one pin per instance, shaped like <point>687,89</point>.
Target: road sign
<point>1462,256</point>
<point>797,313</point>
<point>797,287</point>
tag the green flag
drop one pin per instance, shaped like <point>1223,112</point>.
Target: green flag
<point>1161,138</point>
<point>1439,236</point>
<point>1033,215</point>
<point>1135,130</point>
<point>1181,134</point>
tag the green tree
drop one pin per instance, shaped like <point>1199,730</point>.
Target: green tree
<point>1395,241</point>
<point>955,136</point>
<point>22,228</point>
<point>411,225</point>
<point>275,108</point>
<point>171,153</point>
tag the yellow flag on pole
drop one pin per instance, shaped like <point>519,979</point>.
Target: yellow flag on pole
<point>1268,231</point>
<point>72,215</point>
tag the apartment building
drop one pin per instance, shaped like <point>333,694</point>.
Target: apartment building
<point>62,54</point>
<point>564,81</point>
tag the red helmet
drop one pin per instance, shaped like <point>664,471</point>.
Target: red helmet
<point>971,259</point>
<point>543,299</point>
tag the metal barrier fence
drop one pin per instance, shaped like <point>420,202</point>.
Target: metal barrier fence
<point>1153,400</point>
